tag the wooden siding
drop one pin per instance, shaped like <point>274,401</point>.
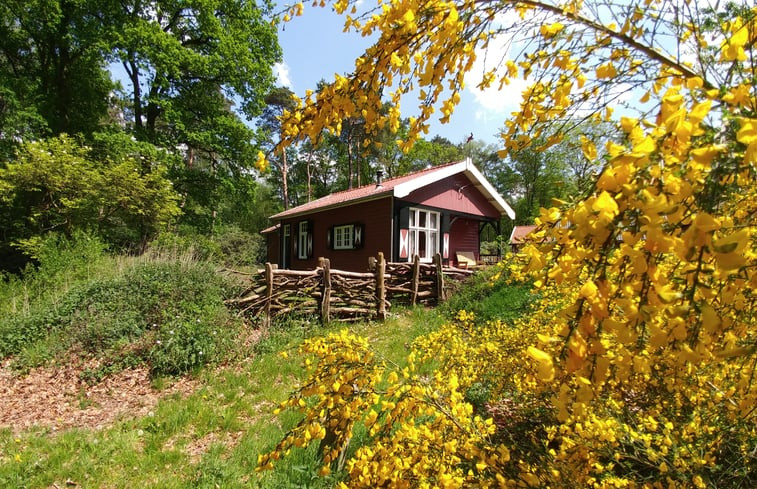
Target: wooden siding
<point>463,237</point>
<point>374,215</point>
<point>273,242</point>
<point>458,194</point>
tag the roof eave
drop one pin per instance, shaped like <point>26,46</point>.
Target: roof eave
<point>493,196</point>
<point>367,198</point>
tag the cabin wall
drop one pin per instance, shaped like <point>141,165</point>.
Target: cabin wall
<point>273,244</point>
<point>456,194</point>
<point>375,219</point>
<point>464,236</point>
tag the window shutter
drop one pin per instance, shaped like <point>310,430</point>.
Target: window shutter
<point>310,238</point>
<point>404,217</point>
<point>330,238</point>
<point>358,235</point>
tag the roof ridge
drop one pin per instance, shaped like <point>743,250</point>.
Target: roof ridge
<point>389,180</point>
<point>405,184</point>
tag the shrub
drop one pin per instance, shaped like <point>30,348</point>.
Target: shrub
<point>58,184</point>
<point>490,297</point>
<point>240,248</point>
<point>168,314</point>
<point>229,246</point>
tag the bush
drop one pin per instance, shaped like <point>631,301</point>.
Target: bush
<point>58,184</point>
<point>229,246</point>
<point>167,314</point>
<point>240,248</point>
<point>489,298</point>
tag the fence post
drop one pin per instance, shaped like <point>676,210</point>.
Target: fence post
<point>268,294</point>
<point>416,278</point>
<point>439,277</point>
<point>325,264</point>
<point>381,287</point>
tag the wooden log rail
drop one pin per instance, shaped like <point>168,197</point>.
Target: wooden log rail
<point>333,294</point>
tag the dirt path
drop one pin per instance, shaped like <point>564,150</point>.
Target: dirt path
<point>56,398</point>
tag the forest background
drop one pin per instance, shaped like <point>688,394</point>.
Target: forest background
<point>171,143</point>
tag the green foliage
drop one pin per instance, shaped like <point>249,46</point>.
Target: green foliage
<point>184,64</point>
<point>52,63</point>
<point>434,152</point>
<point>56,185</point>
<point>17,122</point>
<point>166,313</point>
<point>187,341</point>
<point>491,299</point>
<point>531,179</point>
<point>191,70</point>
<point>229,246</point>
<point>61,262</point>
<point>246,203</point>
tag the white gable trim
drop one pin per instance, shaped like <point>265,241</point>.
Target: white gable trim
<point>466,166</point>
<point>493,195</point>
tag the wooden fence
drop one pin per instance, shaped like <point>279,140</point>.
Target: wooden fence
<point>346,296</point>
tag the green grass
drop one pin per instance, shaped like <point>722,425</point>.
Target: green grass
<point>230,415</point>
<point>166,312</point>
<point>212,437</point>
<point>490,300</point>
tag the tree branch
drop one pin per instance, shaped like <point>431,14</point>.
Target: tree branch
<point>624,38</point>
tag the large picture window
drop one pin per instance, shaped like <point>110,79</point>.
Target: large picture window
<point>423,234</point>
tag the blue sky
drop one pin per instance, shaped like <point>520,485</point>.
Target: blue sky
<point>315,48</point>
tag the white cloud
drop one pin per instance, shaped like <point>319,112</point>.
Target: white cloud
<point>495,103</point>
<point>281,71</point>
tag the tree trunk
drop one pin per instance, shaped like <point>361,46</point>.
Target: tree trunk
<point>308,171</point>
<point>349,163</point>
<point>284,177</point>
<point>133,71</point>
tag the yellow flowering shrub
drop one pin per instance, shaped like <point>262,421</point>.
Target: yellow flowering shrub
<point>636,367</point>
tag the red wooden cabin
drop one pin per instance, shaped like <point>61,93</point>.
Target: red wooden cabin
<point>440,209</point>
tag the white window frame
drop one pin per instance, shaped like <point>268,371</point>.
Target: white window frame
<point>302,240</point>
<point>286,247</point>
<point>431,234</point>
<point>343,237</point>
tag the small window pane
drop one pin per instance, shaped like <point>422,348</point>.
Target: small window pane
<point>343,237</point>
<point>422,244</point>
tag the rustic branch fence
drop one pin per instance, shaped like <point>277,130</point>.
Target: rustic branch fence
<point>335,294</point>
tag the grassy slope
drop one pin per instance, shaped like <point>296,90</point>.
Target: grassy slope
<point>209,439</point>
<point>212,437</point>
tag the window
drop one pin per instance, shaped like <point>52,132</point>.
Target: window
<point>423,234</point>
<point>302,240</point>
<point>346,236</point>
<point>286,252</point>
<point>343,237</point>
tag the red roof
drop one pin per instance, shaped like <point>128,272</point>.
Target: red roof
<point>519,234</point>
<point>271,229</point>
<point>400,187</point>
